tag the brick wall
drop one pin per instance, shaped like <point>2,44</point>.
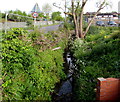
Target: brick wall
<point>108,89</point>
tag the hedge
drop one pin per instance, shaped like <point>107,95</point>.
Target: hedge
<point>27,73</point>
<point>96,56</point>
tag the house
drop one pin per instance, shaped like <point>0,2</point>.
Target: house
<point>113,16</point>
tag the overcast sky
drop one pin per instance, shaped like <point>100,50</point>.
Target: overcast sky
<point>27,5</point>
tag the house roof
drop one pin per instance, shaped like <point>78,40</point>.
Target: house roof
<point>101,14</point>
<point>36,8</point>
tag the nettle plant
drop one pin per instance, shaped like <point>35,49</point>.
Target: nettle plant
<point>18,60</point>
<point>28,74</point>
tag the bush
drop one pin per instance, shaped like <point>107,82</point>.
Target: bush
<point>29,22</point>
<point>96,57</point>
<point>94,30</point>
<point>27,73</point>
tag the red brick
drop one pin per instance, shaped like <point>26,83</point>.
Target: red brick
<point>108,89</point>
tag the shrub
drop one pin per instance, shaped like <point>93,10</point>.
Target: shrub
<point>96,57</point>
<point>29,22</point>
<point>94,30</point>
<point>27,73</point>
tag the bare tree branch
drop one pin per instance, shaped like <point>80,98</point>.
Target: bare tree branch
<point>54,4</point>
<point>84,3</point>
<point>100,8</point>
<point>68,13</point>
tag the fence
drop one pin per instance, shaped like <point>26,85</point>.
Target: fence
<point>23,24</point>
<point>38,23</point>
<point>12,25</point>
<point>7,24</point>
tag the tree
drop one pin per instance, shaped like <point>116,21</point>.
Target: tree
<point>41,15</point>
<point>77,9</point>
<point>78,18</point>
<point>47,9</point>
<point>57,16</point>
<point>17,15</point>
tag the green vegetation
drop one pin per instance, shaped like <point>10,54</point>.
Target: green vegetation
<point>96,56</point>
<point>30,71</point>
<point>18,16</point>
<point>56,16</point>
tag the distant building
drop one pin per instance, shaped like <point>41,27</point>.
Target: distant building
<point>119,11</point>
<point>113,16</point>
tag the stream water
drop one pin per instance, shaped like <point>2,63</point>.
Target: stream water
<point>64,93</point>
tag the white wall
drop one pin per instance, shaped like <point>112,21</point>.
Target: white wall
<point>23,24</point>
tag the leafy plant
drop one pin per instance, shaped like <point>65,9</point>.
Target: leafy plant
<point>96,56</point>
<point>27,73</point>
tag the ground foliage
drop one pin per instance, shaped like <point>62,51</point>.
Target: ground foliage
<point>96,56</point>
<point>29,72</point>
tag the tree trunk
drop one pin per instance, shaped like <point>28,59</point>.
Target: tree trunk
<point>101,7</point>
<point>81,25</point>
<point>76,26</point>
<point>78,18</point>
<point>90,24</point>
<point>75,19</point>
<point>81,34</point>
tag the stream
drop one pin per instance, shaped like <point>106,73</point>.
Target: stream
<point>64,91</point>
